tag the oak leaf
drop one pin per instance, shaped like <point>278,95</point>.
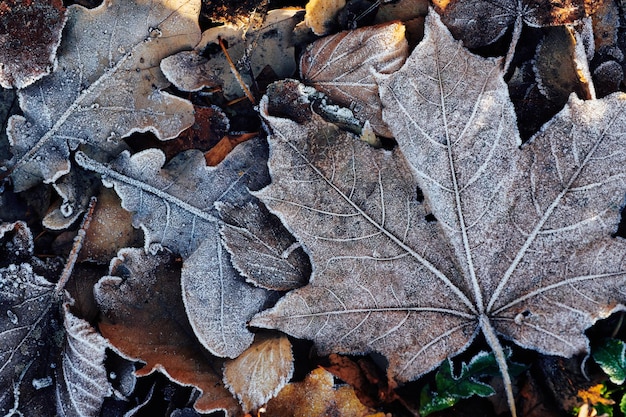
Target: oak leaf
<point>521,247</point>
<point>175,207</point>
<point>144,318</point>
<point>106,86</point>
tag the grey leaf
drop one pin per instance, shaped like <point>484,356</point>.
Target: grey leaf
<point>262,249</point>
<point>174,205</point>
<point>522,245</point>
<point>106,86</point>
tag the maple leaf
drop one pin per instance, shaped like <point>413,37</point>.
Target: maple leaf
<point>106,86</point>
<point>521,246</point>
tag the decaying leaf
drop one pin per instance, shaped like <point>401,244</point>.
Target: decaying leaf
<point>55,378</point>
<point>30,33</point>
<point>344,65</point>
<point>106,86</point>
<point>252,50</point>
<point>174,206</point>
<point>259,373</point>
<point>262,249</point>
<point>521,246</point>
<point>481,22</point>
<point>144,318</point>
<point>318,396</point>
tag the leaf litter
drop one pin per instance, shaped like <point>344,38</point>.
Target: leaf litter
<point>512,243</point>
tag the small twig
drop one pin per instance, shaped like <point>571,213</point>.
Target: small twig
<point>78,244</point>
<point>236,73</point>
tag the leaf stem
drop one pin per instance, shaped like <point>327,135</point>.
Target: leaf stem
<point>496,347</point>
<point>78,244</point>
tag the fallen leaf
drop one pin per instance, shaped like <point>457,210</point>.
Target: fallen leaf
<point>259,373</point>
<point>508,242</point>
<point>217,153</point>
<point>30,33</point>
<point>144,318</point>
<point>611,356</point>
<point>53,378</point>
<point>262,249</point>
<point>482,22</point>
<point>318,396</point>
<point>343,66</point>
<point>175,207</point>
<point>106,85</point>
<point>252,50</point>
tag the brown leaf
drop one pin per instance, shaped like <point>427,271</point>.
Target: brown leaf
<point>318,396</point>
<point>343,66</point>
<point>321,15</point>
<point>224,146</point>
<point>30,33</point>
<point>259,373</point>
<point>144,318</point>
<point>270,44</point>
<point>482,22</point>
<point>508,242</point>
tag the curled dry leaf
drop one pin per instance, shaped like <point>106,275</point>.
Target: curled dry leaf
<point>344,65</point>
<point>106,86</point>
<point>259,373</point>
<point>144,318</point>
<point>174,206</point>
<point>30,33</point>
<point>481,22</point>
<point>318,396</point>
<point>31,312</point>
<point>270,44</point>
<point>521,246</point>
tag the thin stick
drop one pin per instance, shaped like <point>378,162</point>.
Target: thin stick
<point>78,244</point>
<point>233,69</point>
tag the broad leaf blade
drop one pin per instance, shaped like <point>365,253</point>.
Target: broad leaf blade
<point>355,210</point>
<point>106,86</point>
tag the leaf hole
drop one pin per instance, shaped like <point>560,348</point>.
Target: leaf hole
<point>419,195</point>
<point>430,218</point>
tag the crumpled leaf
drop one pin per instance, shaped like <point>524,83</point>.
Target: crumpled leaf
<point>481,22</point>
<point>144,318</point>
<point>611,356</point>
<point>262,250</point>
<point>71,362</point>
<point>270,44</point>
<point>521,246</point>
<point>30,33</point>
<point>174,206</point>
<point>106,86</point>
<point>343,66</point>
<point>259,373</point>
<point>318,396</point>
